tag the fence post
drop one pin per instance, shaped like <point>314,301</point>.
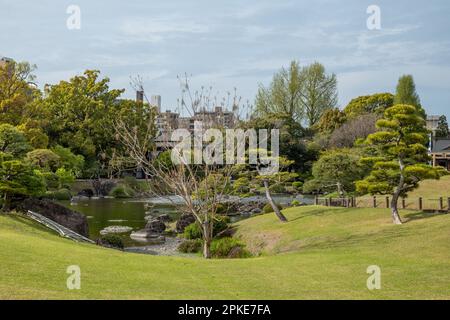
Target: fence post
<point>441,203</point>
<point>374,201</point>
<point>403,203</point>
<point>420,203</point>
<point>448,204</point>
<point>387,202</point>
<point>316,200</point>
<point>327,202</point>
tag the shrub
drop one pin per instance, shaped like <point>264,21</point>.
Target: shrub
<point>121,191</point>
<point>190,246</point>
<point>228,248</point>
<point>193,230</point>
<point>62,194</point>
<point>268,208</point>
<point>111,240</point>
<point>277,188</point>
<point>51,180</point>
<point>296,203</point>
<point>297,185</point>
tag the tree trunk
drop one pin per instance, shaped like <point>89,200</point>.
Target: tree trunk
<point>394,202</point>
<point>6,202</point>
<point>272,203</point>
<point>207,238</point>
<point>394,208</point>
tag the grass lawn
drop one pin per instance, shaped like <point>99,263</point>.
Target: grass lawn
<point>320,253</point>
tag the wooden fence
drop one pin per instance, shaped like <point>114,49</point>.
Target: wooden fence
<point>440,204</point>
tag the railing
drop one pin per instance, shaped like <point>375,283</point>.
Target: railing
<point>440,204</point>
<point>63,231</point>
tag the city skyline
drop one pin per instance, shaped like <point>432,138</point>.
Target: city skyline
<point>235,44</point>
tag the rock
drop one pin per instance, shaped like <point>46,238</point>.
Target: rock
<point>184,221</point>
<point>86,193</point>
<point>164,218</point>
<point>64,216</point>
<point>147,236</point>
<point>115,229</point>
<point>155,225</point>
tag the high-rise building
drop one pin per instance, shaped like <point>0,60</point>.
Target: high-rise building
<point>155,101</point>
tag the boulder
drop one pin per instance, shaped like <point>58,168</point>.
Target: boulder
<point>184,221</point>
<point>155,225</point>
<point>64,216</point>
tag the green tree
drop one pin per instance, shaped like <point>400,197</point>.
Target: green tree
<point>44,159</point>
<point>69,160</point>
<point>17,91</point>
<point>18,178</point>
<point>13,141</point>
<point>304,94</point>
<point>331,120</point>
<point>82,112</point>
<point>375,103</point>
<point>406,94</point>
<point>335,170</point>
<point>319,92</point>
<point>402,158</point>
<point>442,130</point>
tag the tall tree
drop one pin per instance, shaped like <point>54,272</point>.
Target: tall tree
<point>406,94</point>
<point>302,93</point>
<point>319,92</point>
<point>283,95</point>
<point>442,130</point>
<point>402,158</point>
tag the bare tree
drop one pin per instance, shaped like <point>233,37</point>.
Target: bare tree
<point>201,187</point>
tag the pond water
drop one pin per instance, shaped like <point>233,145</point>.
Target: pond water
<point>105,212</point>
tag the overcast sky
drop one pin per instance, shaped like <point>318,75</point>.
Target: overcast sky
<point>233,43</point>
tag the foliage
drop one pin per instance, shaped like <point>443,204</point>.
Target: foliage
<point>228,248</point>
<point>331,120</point>
<point>401,163</point>
<point>61,194</point>
<point>112,240</point>
<point>65,177</point>
<point>303,94</point>
<point>68,160</point>
<point>296,203</point>
<point>406,94</point>
<point>193,231</point>
<point>19,178</point>
<point>442,130</point>
<point>122,191</point>
<point>51,180</point>
<point>43,159</point>
<point>191,246</point>
<point>13,141</point>
<point>297,185</point>
<point>337,170</point>
<point>376,103</point>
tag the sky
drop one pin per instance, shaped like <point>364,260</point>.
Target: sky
<point>229,44</point>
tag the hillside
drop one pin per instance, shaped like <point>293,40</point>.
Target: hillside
<point>320,253</point>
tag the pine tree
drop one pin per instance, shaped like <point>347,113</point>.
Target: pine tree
<point>402,156</point>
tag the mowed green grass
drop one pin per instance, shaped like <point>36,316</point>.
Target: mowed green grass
<point>321,253</point>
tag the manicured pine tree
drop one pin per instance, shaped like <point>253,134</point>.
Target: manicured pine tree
<point>402,156</point>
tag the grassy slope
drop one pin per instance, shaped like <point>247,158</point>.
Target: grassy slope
<point>320,253</point>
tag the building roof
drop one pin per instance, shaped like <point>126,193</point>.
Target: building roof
<point>441,145</point>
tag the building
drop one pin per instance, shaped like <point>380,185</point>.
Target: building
<point>155,101</point>
<point>440,153</point>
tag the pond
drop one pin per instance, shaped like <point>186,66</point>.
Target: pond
<point>105,212</point>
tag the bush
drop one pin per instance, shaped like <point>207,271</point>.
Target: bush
<point>62,194</point>
<point>296,203</point>
<point>111,240</point>
<point>51,180</point>
<point>190,246</point>
<point>228,248</point>
<point>193,230</point>
<point>277,188</point>
<point>297,185</point>
<point>122,191</point>
<point>268,208</point>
